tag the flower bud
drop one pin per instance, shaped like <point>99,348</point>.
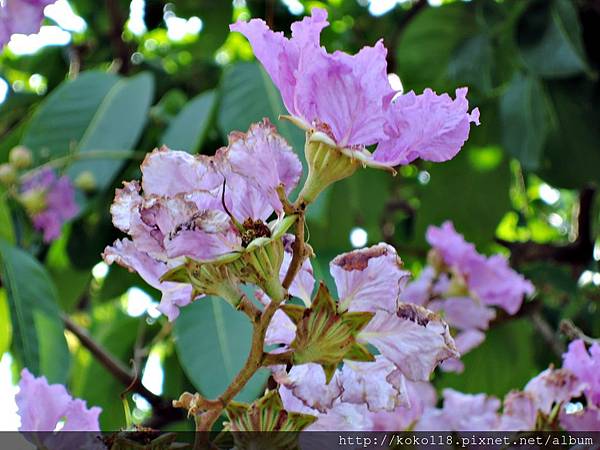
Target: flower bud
<point>34,201</point>
<point>8,174</point>
<point>326,165</point>
<point>86,181</point>
<point>20,157</point>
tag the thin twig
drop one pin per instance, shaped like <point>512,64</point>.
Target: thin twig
<point>119,370</point>
<point>298,254</point>
<point>571,331</point>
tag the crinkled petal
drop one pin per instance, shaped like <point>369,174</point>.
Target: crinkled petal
<point>427,126</point>
<point>40,405</point>
<point>265,159</point>
<point>369,279</point>
<point>345,96</point>
<point>553,386</point>
<point>303,284</point>
<point>464,313</point>
<point>376,384</point>
<point>519,412</point>
<point>307,383</point>
<point>174,295</point>
<point>415,339</point>
<point>78,417</point>
<point>421,396</point>
<point>344,417</point>
<point>419,291</point>
<point>586,366</point>
<point>451,245</point>
<point>496,284</point>
<point>586,420</point>
<point>168,172</point>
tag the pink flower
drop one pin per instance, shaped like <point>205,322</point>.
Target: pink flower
<point>490,280</point>
<point>586,367</point>
<point>427,126</point>
<point>200,207</point>
<point>50,201</point>
<point>349,101</point>
<point>42,406</point>
<point>21,16</point>
<point>462,412</point>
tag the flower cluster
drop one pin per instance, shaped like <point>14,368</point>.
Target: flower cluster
<point>552,399</point>
<point>48,407</point>
<point>465,286</point>
<point>345,103</point>
<point>49,201</point>
<point>21,16</point>
<point>411,342</point>
<point>192,218</point>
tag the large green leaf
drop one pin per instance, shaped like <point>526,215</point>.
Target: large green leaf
<point>248,95</point>
<point>38,332</point>
<point>550,40</point>
<point>427,45</point>
<point>188,129</point>
<point>525,120</point>
<point>471,190</point>
<point>96,111</point>
<point>7,230</point>
<point>117,333</point>
<point>213,341</point>
<point>5,324</point>
<point>572,154</point>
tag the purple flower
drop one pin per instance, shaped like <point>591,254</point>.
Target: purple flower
<point>348,100</point>
<point>21,16</point>
<point>462,412</point>
<point>43,406</point>
<point>50,201</point>
<point>427,126</point>
<point>586,367</point>
<point>204,208</point>
<point>411,340</point>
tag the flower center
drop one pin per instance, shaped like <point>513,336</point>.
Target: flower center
<point>254,229</point>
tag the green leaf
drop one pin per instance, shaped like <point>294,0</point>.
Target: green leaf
<point>572,156</point>
<point>117,333</point>
<point>525,119</point>
<point>38,329</point>
<point>188,129</point>
<point>473,62</point>
<point>213,342</point>
<point>7,230</point>
<point>96,111</point>
<point>248,95</point>
<point>550,39</point>
<point>117,125</point>
<point>5,323</point>
<point>471,190</point>
<point>427,45</point>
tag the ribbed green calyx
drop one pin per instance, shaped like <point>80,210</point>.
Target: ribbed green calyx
<point>325,335</point>
<point>258,263</point>
<point>266,414</point>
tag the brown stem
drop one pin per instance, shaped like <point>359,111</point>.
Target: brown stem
<point>117,24</point>
<point>120,371</point>
<point>571,331</point>
<point>274,359</point>
<point>205,420</point>
<point>248,308</point>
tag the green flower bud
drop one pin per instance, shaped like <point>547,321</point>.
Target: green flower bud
<point>34,201</point>
<point>8,174</point>
<point>20,157</point>
<point>86,181</point>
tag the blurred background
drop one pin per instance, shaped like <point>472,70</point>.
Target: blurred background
<point>133,75</point>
